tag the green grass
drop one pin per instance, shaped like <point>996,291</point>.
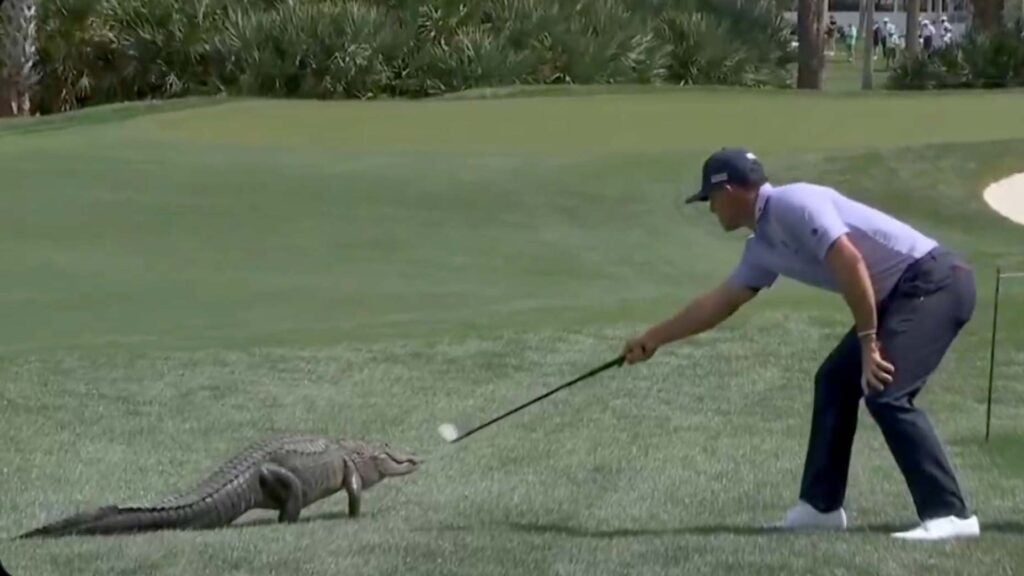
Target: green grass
<point>841,75</point>
<point>179,284</point>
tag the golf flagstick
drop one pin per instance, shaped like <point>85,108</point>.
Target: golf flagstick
<point>450,433</point>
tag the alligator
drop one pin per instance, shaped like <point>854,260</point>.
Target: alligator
<point>285,473</point>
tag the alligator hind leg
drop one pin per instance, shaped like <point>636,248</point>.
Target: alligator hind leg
<point>282,488</point>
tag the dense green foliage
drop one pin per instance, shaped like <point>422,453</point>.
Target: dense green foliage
<point>96,51</point>
<point>980,60</point>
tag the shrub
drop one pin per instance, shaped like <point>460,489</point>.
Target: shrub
<point>941,69</point>
<point>304,49</point>
<point>996,59</point>
<point>453,45</point>
<point>160,48</point>
<point>980,60</point>
<point>74,47</point>
<point>94,51</point>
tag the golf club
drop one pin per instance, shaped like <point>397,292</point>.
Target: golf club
<point>450,433</point>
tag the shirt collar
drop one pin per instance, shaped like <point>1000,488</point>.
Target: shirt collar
<point>763,194</point>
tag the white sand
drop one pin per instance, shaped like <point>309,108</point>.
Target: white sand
<point>1007,197</point>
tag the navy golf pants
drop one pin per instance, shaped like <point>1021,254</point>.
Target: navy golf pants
<point>917,322</point>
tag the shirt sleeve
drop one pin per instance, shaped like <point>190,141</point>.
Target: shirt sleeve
<point>751,273</point>
<point>811,221</point>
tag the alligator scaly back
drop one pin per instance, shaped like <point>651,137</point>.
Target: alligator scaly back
<point>283,473</point>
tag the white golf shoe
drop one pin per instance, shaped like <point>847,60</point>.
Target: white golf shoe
<point>946,528</point>
<point>803,516</point>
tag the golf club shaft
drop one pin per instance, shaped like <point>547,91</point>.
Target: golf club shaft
<point>616,362</point>
<point>992,357</point>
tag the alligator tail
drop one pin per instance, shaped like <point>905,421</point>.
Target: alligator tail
<point>107,520</point>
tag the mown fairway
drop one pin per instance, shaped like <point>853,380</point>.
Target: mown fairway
<point>177,284</point>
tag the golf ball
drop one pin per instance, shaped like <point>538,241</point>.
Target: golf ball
<point>448,431</point>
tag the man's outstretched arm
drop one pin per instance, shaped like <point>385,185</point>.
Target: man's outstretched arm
<point>701,314</point>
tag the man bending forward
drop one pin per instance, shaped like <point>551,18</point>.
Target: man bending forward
<point>909,298</point>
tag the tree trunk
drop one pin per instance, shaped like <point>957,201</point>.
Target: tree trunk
<point>860,17</point>
<point>5,100</point>
<point>867,75</point>
<point>5,105</point>
<point>913,15</point>
<point>810,56</point>
<point>19,75</point>
<point>988,15</point>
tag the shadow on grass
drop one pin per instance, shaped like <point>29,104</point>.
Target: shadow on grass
<point>336,515</point>
<point>548,529</point>
<point>264,521</point>
<point>999,527</point>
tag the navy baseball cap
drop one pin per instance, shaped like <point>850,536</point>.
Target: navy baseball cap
<point>729,165</point>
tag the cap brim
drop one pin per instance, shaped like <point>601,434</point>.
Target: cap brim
<point>701,196</point>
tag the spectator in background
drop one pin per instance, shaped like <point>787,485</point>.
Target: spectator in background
<point>927,36</point>
<point>851,40</point>
<point>830,34</point>
<point>883,39</point>
<point>876,38</point>
<point>946,32</point>
<point>892,38</point>
<point>901,44</point>
<point>890,29</point>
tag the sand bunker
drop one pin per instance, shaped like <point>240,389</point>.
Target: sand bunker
<point>1007,197</point>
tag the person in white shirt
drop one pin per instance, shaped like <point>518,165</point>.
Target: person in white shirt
<point>889,37</point>
<point>946,31</point>
<point>927,36</point>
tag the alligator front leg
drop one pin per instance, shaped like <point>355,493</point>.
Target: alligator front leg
<point>354,487</point>
<point>283,488</point>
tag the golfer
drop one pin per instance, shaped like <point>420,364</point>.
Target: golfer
<point>909,298</point>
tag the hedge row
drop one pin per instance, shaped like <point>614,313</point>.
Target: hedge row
<point>95,51</point>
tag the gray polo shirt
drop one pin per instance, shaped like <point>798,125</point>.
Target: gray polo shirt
<point>797,223</point>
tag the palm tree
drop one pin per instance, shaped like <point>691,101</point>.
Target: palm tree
<point>913,17</point>
<point>811,52</point>
<point>18,35</point>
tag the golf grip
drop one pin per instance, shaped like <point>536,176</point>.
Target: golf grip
<point>616,362</point>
